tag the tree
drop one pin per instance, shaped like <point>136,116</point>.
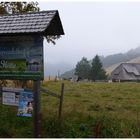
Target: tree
<point>83,68</point>
<point>18,7</point>
<point>97,72</point>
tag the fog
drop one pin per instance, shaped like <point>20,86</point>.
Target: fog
<point>92,28</point>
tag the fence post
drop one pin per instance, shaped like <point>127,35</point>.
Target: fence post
<point>0,93</point>
<point>61,102</point>
<point>37,114</point>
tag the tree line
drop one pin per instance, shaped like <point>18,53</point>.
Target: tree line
<point>91,70</point>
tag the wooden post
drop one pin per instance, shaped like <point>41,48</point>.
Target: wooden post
<point>0,93</point>
<point>61,102</point>
<point>37,114</point>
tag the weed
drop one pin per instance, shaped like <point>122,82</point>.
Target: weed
<point>94,107</point>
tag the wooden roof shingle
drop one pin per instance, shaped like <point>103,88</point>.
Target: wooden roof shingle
<point>44,23</point>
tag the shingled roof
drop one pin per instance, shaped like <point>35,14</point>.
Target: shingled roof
<point>126,71</point>
<point>44,23</point>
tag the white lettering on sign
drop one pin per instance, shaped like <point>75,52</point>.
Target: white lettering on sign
<point>5,64</point>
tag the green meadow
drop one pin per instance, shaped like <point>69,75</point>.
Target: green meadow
<point>90,110</point>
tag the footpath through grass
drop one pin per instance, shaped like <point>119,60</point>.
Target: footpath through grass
<point>107,110</point>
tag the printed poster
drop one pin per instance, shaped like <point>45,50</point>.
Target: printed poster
<point>25,107</point>
<point>10,96</point>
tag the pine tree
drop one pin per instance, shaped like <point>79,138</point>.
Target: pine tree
<point>97,72</point>
<point>82,69</point>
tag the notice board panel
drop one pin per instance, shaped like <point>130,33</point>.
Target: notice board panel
<point>21,57</point>
<point>10,96</point>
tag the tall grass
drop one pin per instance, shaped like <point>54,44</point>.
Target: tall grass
<point>105,110</point>
<point>115,106</point>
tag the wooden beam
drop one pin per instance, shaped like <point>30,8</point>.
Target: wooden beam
<point>61,102</point>
<point>37,114</point>
<point>45,90</point>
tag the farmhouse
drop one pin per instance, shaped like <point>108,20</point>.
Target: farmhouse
<point>126,72</point>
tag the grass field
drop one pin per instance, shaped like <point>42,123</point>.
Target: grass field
<point>106,110</point>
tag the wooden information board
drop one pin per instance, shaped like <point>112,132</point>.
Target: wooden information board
<point>21,57</point>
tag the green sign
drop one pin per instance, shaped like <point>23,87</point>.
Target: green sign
<point>21,59</point>
<point>13,65</point>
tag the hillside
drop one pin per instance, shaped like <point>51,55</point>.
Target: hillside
<point>120,57</point>
<point>68,74</point>
<point>55,69</point>
<point>110,62</point>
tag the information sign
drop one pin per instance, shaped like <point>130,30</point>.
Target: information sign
<point>10,96</point>
<point>21,59</point>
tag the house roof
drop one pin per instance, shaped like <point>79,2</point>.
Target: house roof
<point>44,23</point>
<point>127,71</point>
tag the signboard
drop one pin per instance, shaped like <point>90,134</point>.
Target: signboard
<point>10,96</point>
<point>21,58</point>
<point>25,104</point>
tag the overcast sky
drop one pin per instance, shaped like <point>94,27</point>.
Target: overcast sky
<point>92,28</point>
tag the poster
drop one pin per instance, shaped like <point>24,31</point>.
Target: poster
<point>21,58</point>
<point>10,96</point>
<point>25,107</point>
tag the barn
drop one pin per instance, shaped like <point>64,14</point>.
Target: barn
<point>126,72</point>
